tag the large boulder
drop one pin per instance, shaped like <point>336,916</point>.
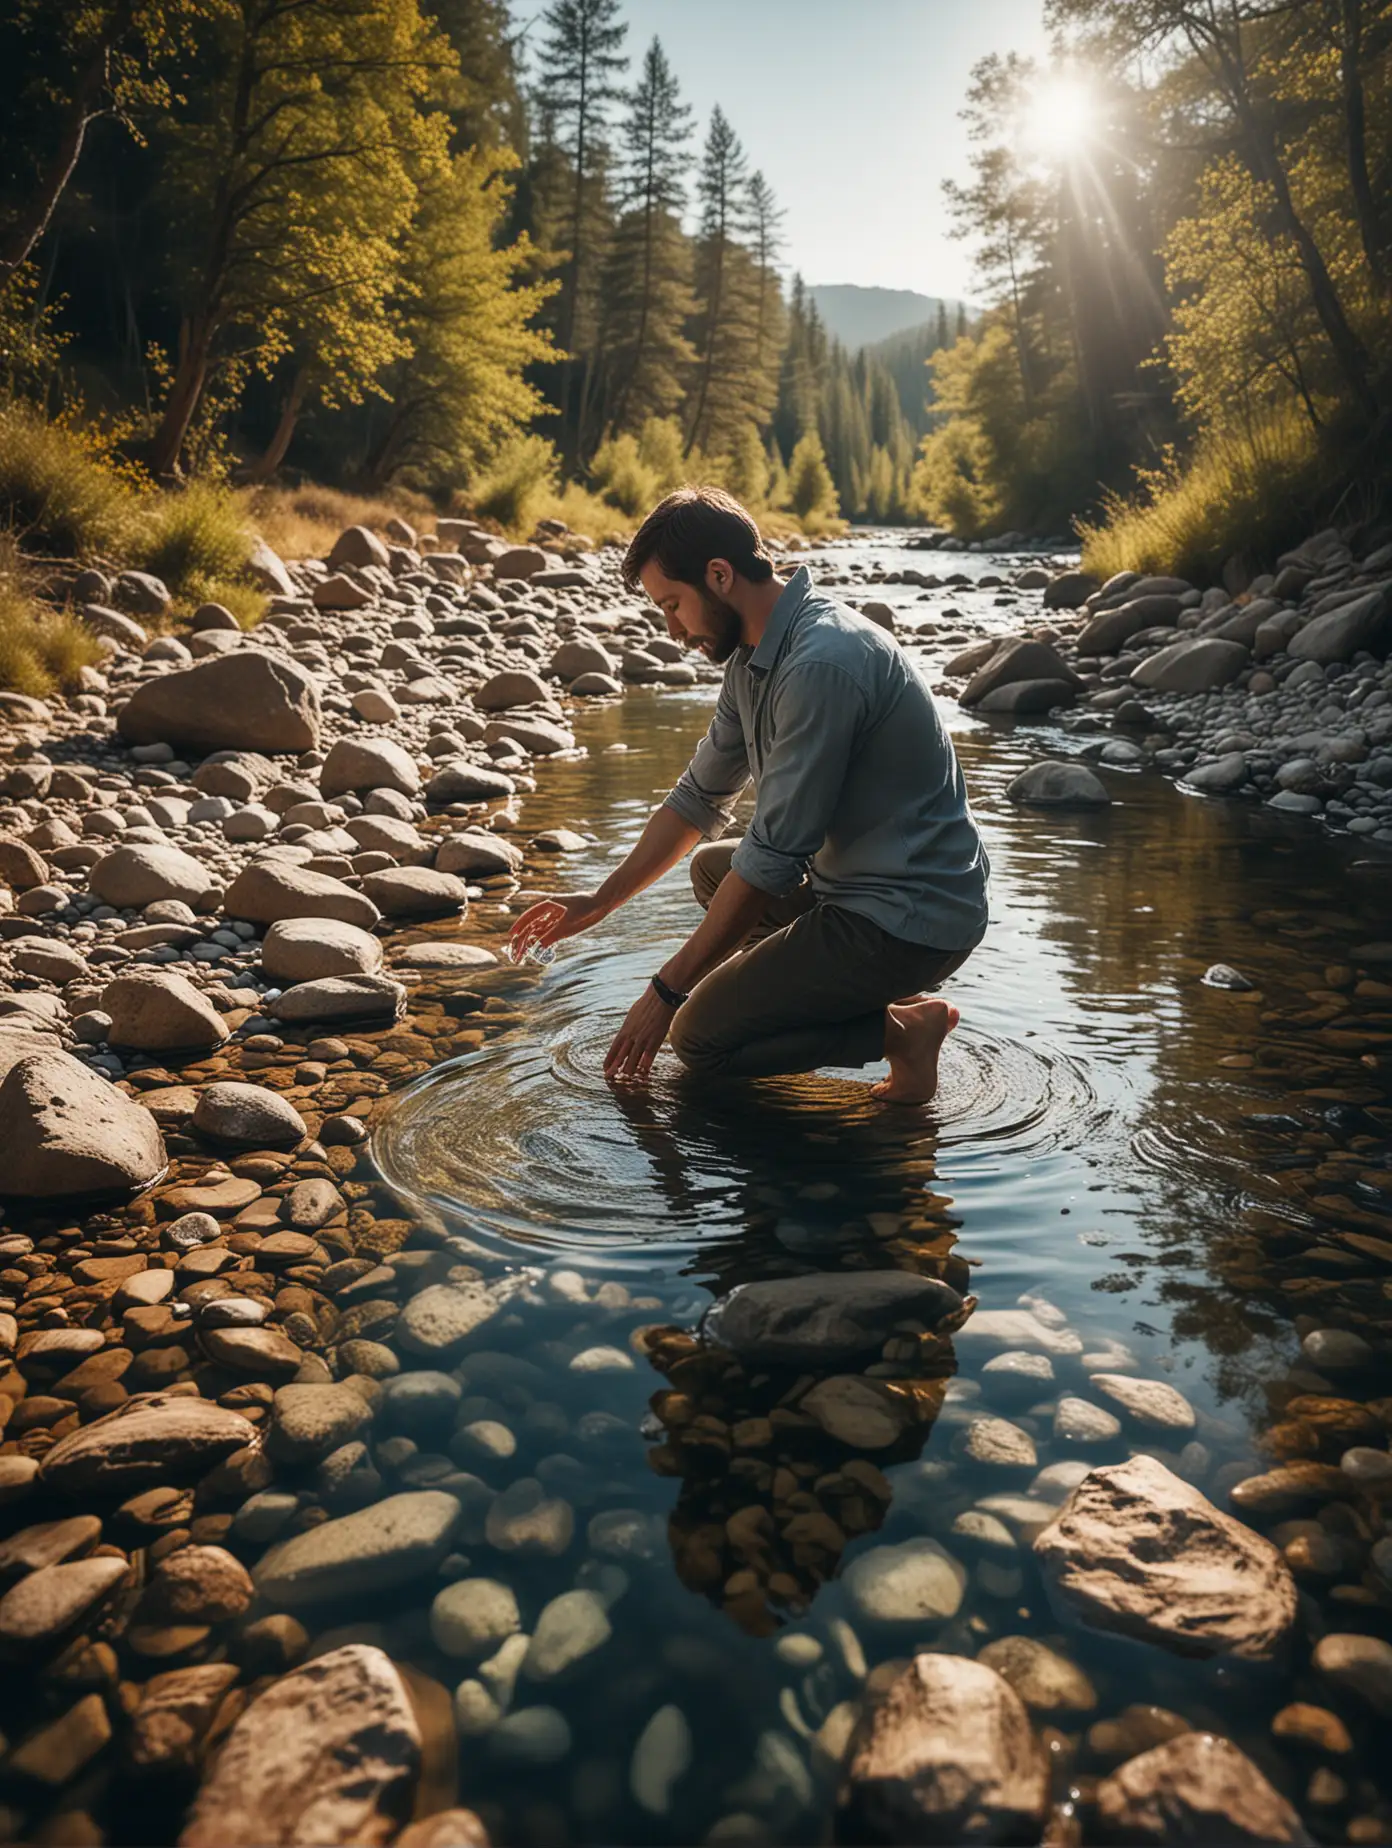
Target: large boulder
<point>397,1541</point>
<point>157,1010</point>
<point>1070,590</point>
<point>150,1439</point>
<point>416,892</point>
<point>512,687</point>
<point>1198,664</point>
<point>946,1755</point>
<point>1019,660</point>
<point>266,570</point>
<point>475,850</point>
<point>1366,623</point>
<point>358,545</point>
<point>1022,697</point>
<point>1110,630</point>
<point>248,700</point>
<point>328,1753</point>
<point>827,1317</point>
<point>1196,1788</point>
<point>132,877</point>
<point>580,655</point>
<point>1137,1550</point>
<point>1057,785</point>
<point>65,1130</point>
<point>269,890</point>
<point>247,1115</point>
<point>306,949</point>
<point>542,737</point>
<point>340,997</point>
<point>368,763</point>
<point>521,561</point>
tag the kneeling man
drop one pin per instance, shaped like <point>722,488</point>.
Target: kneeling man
<point>860,882</point>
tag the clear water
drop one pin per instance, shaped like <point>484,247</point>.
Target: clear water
<point>1093,1148</point>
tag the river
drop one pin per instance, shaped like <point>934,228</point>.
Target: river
<point>1168,1174</point>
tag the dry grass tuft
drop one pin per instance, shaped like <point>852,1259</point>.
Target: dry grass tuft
<point>42,650</point>
<point>304,522</point>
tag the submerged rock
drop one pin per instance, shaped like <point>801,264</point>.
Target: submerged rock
<point>329,1753</point>
<point>915,1582</point>
<point>1139,1551</point>
<point>1053,785</point>
<point>152,1438</point>
<point>947,1756</point>
<point>832,1316</point>
<point>391,1543</point>
<point>1196,1788</point>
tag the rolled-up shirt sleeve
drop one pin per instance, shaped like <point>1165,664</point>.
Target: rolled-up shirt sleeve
<point>818,713</point>
<point>707,789</point>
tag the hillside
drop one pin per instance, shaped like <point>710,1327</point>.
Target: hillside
<point>859,317</point>
<point>905,357</point>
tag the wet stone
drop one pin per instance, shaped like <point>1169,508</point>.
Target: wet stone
<point>47,1605</point>
<point>470,1618</point>
<point>1197,1788</point>
<point>915,1582</point>
<point>524,1519</point>
<point>1149,1402</point>
<point>570,1628</point>
<point>392,1542</point>
<point>999,1444</point>
<point>1046,1681</point>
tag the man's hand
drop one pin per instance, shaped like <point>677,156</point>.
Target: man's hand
<point>639,1039</point>
<point>550,919</point>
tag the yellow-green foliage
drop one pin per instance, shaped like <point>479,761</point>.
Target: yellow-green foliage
<point>660,450</point>
<point>42,650</point>
<point>304,522</point>
<point>811,491</point>
<point>1255,491</point>
<point>511,490</point>
<point>620,474</point>
<point>582,512</point>
<point>195,538</point>
<point>60,493</point>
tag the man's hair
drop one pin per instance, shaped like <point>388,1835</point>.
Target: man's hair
<point>690,528</point>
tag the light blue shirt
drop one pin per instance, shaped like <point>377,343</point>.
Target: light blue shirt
<point>857,786</point>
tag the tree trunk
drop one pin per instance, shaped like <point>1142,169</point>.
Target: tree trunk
<point>184,395</point>
<point>21,238</point>
<point>383,459</point>
<point>274,453</point>
<point>1371,228</point>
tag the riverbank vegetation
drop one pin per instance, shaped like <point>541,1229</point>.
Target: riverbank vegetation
<point>1186,252</point>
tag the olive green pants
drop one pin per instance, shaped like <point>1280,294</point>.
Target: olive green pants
<point>808,987</point>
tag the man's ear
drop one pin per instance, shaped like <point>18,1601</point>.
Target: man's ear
<point>720,577</point>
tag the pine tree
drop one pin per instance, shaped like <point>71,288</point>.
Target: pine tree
<point>647,286</point>
<point>941,331</point>
<point>580,60</point>
<point>765,241</point>
<point>729,388</point>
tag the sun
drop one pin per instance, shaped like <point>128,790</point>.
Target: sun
<point>1059,119</point>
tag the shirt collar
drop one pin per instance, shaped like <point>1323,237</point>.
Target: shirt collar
<point>791,600</point>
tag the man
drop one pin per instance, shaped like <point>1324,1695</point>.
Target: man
<point>861,881</point>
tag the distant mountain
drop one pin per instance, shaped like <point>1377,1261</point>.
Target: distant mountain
<point>859,317</point>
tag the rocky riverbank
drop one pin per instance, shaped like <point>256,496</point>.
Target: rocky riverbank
<point>300,1539</point>
<point>1280,693</point>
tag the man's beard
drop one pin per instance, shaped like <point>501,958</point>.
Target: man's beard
<point>725,620</point>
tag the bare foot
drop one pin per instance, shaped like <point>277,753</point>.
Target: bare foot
<point>914,1034</point>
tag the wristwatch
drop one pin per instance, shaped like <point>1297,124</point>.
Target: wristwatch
<point>672,996</point>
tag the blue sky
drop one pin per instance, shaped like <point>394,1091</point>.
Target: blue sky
<point>850,108</point>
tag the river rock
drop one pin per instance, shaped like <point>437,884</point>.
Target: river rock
<point>329,1753</point>
<point>1196,1788</point>
<point>247,1114</point>
<point>157,1010</point>
<point>1360,1665</point>
<point>21,868</point>
<point>46,1606</point>
<point>661,1757</point>
<point>1149,1402</point>
<point>569,1628</point>
<point>1019,660</point>
<point>1047,1682</point>
<point>471,1618</point>
<point>441,1318</point>
<point>916,1582</point>
<point>521,561</point>
<point>826,1317</point>
<point>152,1438</point>
<point>475,850</point>
<point>65,1131</point>
<point>271,890</point>
<point>459,780</point>
<point>341,997</point>
<point>445,956</point>
<point>199,1584</point>
<point>309,1421</point>
<point>248,700</point>
<point>1366,623</point>
<point>1220,778</point>
<point>1138,1551</point>
<point>1022,697</point>
<point>416,892</point>
<point>1199,664</point>
<point>511,688</point>
<point>1018,1329</point>
<point>133,877</point>
<point>394,1542</point>
<point>307,949</point>
<point>1058,785</point>
<point>361,764</point>
<point>580,655</point>
<point>857,1411</point>
<point>947,1755</point>
<point>1109,630</point>
<point>358,545</point>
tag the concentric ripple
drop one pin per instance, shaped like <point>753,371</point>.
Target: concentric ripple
<point>528,1149</point>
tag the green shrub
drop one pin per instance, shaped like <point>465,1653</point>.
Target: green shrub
<point>1255,495</point>
<point>660,452</point>
<point>42,650</point>
<point>811,490</point>
<point>521,476</point>
<point>622,477</point>
<point>60,493</point>
<point>194,538</point>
